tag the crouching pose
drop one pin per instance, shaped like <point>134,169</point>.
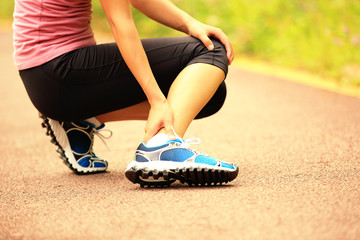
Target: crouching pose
<point>77,86</point>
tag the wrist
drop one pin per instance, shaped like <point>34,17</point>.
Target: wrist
<point>154,94</point>
<point>156,99</point>
<point>189,23</point>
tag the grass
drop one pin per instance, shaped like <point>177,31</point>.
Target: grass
<point>320,37</point>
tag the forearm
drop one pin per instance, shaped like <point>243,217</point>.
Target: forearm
<point>134,55</point>
<point>164,12</point>
<point>132,51</point>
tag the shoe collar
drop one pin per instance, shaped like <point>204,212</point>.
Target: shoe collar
<point>93,122</point>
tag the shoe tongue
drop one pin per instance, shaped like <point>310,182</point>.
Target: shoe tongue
<point>93,122</point>
<point>158,140</point>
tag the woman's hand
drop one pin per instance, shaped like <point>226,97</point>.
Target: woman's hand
<point>165,12</point>
<point>203,32</point>
<point>160,117</point>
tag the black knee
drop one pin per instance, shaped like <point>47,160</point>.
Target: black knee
<point>215,103</point>
<point>216,57</point>
<point>220,55</point>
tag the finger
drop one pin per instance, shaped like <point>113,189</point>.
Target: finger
<point>219,34</point>
<point>148,135</point>
<point>170,131</point>
<point>229,50</point>
<point>206,41</point>
<point>149,132</point>
<point>229,53</point>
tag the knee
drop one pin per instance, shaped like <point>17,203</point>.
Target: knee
<point>216,57</point>
<point>220,51</point>
<point>215,103</point>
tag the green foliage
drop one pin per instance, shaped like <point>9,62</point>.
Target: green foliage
<point>320,36</point>
<point>6,9</point>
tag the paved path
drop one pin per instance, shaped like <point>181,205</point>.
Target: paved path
<point>298,149</point>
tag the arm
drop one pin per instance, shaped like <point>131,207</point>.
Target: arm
<point>166,13</point>
<point>127,38</point>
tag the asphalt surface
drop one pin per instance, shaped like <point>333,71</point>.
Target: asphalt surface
<point>297,148</point>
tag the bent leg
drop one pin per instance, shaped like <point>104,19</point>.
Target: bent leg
<point>191,91</point>
<point>138,111</point>
<point>199,78</point>
<point>95,81</point>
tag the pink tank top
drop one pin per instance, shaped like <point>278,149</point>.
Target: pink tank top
<point>45,29</point>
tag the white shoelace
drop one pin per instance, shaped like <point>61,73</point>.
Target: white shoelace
<point>190,141</point>
<point>102,137</point>
<point>61,135</point>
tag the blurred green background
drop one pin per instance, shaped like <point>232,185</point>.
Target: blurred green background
<point>319,36</point>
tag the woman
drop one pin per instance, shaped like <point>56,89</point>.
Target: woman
<point>77,86</point>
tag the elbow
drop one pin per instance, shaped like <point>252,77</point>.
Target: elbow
<point>118,23</point>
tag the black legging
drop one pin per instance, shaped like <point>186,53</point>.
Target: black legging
<point>95,80</point>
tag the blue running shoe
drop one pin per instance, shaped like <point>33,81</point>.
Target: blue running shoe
<point>75,144</point>
<point>162,165</point>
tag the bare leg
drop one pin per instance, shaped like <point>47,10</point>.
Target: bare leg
<point>137,112</point>
<point>189,93</point>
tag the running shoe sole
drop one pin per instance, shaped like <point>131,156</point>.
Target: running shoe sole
<point>163,173</point>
